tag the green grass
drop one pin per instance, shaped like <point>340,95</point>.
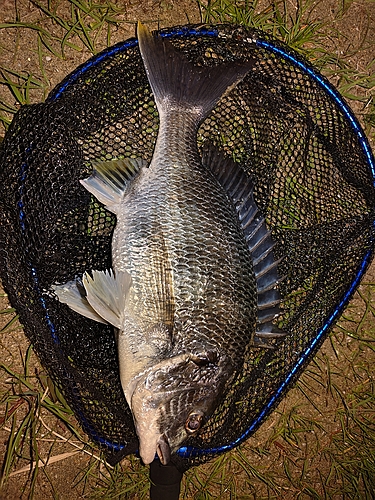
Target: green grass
<point>319,443</point>
<point>61,28</point>
<point>88,26</point>
<point>297,25</point>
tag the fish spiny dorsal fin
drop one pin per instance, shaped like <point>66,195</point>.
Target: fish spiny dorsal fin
<point>174,79</point>
<point>110,179</point>
<point>239,188</point>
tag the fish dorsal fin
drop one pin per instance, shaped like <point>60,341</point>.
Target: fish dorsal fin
<point>110,179</point>
<point>174,79</point>
<point>239,187</point>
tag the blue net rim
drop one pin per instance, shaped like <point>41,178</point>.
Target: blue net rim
<point>282,51</point>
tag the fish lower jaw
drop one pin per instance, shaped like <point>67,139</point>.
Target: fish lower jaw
<point>148,450</point>
<point>152,443</point>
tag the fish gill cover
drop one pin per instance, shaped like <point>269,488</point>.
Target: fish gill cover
<point>287,130</point>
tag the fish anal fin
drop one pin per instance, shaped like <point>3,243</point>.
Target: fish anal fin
<point>110,180</point>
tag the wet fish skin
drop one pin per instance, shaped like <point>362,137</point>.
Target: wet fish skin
<point>169,396</point>
<point>183,293</point>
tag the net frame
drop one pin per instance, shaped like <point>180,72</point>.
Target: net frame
<point>192,454</point>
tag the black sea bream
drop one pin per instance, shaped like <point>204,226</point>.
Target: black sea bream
<point>193,280</point>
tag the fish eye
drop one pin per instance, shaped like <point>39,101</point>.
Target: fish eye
<point>193,423</point>
<point>205,359</point>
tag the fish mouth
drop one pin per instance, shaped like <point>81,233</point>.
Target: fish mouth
<point>163,450</point>
<point>171,401</point>
<point>150,447</point>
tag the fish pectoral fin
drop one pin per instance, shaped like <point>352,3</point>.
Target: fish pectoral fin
<point>107,294</point>
<point>71,295</point>
<point>110,179</point>
<point>162,282</point>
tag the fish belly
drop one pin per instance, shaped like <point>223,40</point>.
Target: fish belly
<point>178,236</point>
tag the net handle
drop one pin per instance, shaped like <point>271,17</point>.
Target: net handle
<point>165,481</point>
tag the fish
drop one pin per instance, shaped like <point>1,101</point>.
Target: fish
<point>194,281</point>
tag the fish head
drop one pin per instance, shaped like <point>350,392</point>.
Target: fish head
<point>174,399</point>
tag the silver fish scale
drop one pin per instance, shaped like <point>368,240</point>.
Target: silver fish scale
<point>177,218</point>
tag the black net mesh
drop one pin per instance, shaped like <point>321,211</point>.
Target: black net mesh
<point>314,182</point>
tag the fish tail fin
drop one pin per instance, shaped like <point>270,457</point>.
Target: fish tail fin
<point>174,79</point>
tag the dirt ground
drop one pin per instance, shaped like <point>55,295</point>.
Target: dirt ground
<point>19,53</point>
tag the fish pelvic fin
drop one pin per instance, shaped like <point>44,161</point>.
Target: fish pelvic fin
<point>73,295</point>
<point>107,294</point>
<point>174,79</point>
<point>110,180</point>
